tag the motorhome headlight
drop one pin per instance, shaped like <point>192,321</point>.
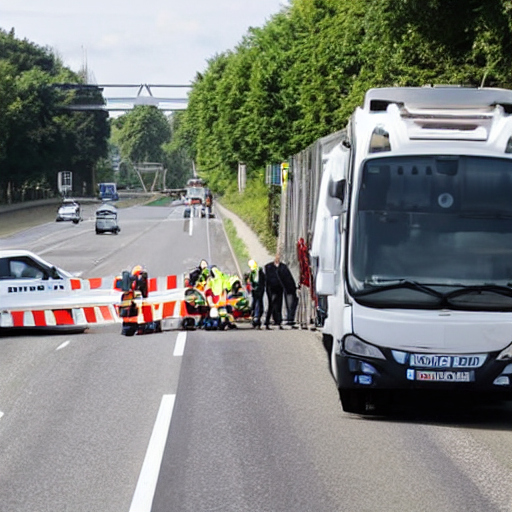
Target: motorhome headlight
<point>358,347</point>
<point>505,354</point>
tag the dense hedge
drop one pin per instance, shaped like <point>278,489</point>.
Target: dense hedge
<point>300,76</point>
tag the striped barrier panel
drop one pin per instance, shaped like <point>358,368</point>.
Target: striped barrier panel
<point>62,317</point>
<point>170,313</point>
<point>155,284</point>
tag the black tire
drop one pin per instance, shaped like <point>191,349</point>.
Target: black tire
<point>129,330</point>
<point>188,323</point>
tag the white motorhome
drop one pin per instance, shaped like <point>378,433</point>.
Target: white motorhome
<point>413,245</point>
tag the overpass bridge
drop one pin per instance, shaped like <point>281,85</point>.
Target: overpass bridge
<point>134,94</point>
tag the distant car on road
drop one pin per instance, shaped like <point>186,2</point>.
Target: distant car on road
<point>198,201</point>
<point>69,210</point>
<point>106,219</point>
<point>108,192</point>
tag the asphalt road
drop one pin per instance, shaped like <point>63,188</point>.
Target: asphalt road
<point>216,421</point>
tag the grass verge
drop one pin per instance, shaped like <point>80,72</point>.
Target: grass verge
<point>252,206</point>
<point>239,248</point>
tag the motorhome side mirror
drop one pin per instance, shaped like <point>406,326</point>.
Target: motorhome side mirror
<point>336,197</point>
<point>337,189</point>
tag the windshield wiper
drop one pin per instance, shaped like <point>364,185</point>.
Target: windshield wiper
<point>467,289</point>
<point>394,284</point>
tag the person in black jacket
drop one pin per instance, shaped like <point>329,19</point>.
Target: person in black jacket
<point>279,282</point>
<point>256,281</point>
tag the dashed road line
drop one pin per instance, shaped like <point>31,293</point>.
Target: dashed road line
<point>142,500</point>
<point>179,348</point>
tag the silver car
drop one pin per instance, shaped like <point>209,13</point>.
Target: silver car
<point>69,210</point>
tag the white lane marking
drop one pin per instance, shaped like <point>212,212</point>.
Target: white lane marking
<point>191,222</point>
<point>208,237</point>
<point>179,348</point>
<point>1,414</point>
<point>145,491</point>
<point>63,345</point>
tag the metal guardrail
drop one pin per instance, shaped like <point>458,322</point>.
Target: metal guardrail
<point>5,208</point>
<point>298,210</point>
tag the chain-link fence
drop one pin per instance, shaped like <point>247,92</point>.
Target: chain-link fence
<point>300,186</point>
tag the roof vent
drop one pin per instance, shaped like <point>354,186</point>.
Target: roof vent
<point>453,124</point>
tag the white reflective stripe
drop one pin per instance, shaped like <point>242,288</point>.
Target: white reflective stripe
<point>161,283</point>
<point>79,317</point>
<point>49,317</point>
<point>157,311</point>
<point>6,319</point>
<point>28,319</point>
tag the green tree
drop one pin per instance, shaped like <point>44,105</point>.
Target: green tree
<point>177,157</point>
<point>39,137</point>
<point>142,132</point>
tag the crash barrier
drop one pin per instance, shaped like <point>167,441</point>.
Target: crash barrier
<point>59,317</point>
<point>164,306</point>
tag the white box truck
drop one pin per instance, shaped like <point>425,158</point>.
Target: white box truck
<point>412,245</point>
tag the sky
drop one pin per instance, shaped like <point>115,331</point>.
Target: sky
<point>136,42</point>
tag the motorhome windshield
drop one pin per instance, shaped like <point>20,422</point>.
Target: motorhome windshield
<point>195,192</point>
<point>433,231</point>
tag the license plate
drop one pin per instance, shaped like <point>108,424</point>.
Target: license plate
<point>447,361</point>
<point>446,376</point>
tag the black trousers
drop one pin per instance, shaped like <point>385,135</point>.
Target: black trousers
<point>275,306</point>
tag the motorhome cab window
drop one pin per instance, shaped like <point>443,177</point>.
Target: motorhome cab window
<point>433,232</point>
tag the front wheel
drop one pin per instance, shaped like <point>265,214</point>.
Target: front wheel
<point>129,329</point>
